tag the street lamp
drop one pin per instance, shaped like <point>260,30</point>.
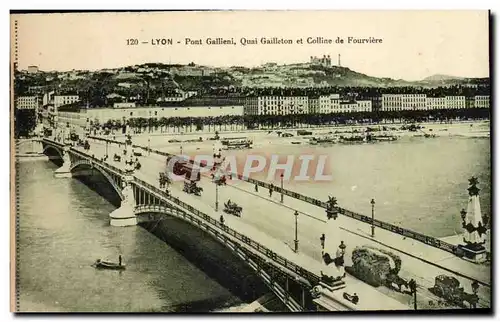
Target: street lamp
<point>281,176</point>
<point>216,196</point>
<point>373,217</point>
<point>107,148</point>
<point>149,146</point>
<point>413,288</point>
<point>296,241</point>
<point>149,122</point>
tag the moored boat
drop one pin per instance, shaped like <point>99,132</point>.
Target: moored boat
<point>323,139</point>
<point>385,137</point>
<point>108,264</point>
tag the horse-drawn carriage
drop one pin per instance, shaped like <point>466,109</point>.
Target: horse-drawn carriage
<point>232,208</point>
<point>448,288</point>
<point>133,165</point>
<point>192,188</point>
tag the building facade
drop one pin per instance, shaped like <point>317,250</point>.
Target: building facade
<point>60,100</point>
<point>455,102</point>
<point>27,102</point>
<point>286,105</point>
<point>106,114</point>
<point>124,105</point>
<point>391,102</point>
<point>276,105</point>
<point>436,103</point>
<point>75,120</point>
<point>482,101</point>
<point>404,102</point>
<point>325,61</point>
<point>313,105</point>
<point>364,106</point>
<point>329,103</point>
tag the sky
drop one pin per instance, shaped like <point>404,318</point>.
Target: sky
<point>415,44</point>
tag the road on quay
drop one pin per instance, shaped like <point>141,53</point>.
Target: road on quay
<point>271,217</point>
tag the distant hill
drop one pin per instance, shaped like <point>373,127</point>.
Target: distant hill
<point>440,77</point>
<point>153,80</point>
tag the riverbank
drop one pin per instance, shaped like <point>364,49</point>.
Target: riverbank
<point>204,142</point>
<point>237,129</point>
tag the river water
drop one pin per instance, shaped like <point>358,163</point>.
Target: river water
<point>64,227</point>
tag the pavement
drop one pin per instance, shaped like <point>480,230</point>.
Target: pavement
<point>272,223</point>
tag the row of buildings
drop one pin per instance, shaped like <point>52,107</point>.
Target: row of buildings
<point>54,110</point>
<point>401,102</point>
<point>333,103</point>
<point>258,105</point>
<point>285,105</point>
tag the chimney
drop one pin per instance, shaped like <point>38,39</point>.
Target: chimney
<point>339,61</point>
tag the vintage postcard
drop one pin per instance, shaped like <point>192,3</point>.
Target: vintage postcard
<point>251,161</point>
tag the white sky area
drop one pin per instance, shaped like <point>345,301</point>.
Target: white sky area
<point>415,44</point>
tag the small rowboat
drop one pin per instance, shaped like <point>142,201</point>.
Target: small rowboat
<point>107,265</point>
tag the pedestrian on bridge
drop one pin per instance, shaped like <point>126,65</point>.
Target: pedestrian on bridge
<point>271,188</point>
<point>256,188</point>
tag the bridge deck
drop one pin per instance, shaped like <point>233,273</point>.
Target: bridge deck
<point>272,218</point>
<point>264,217</point>
<point>253,226</point>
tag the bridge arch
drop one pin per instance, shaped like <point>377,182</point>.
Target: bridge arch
<point>51,147</point>
<point>154,213</point>
<point>88,163</point>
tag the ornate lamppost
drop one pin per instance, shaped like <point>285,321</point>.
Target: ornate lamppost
<point>281,176</point>
<point>216,196</point>
<point>331,208</point>
<point>296,241</point>
<point>474,227</point>
<point>413,288</point>
<point>373,217</point>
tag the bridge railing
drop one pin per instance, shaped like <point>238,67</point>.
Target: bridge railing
<point>431,241</point>
<point>311,277</point>
<point>97,161</point>
<point>428,240</point>
<point>256,263</point>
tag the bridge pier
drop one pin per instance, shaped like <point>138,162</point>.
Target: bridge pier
<point>124,216</point>
<point>65,170</point>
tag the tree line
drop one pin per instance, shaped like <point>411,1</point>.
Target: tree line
<point>294,120</point>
